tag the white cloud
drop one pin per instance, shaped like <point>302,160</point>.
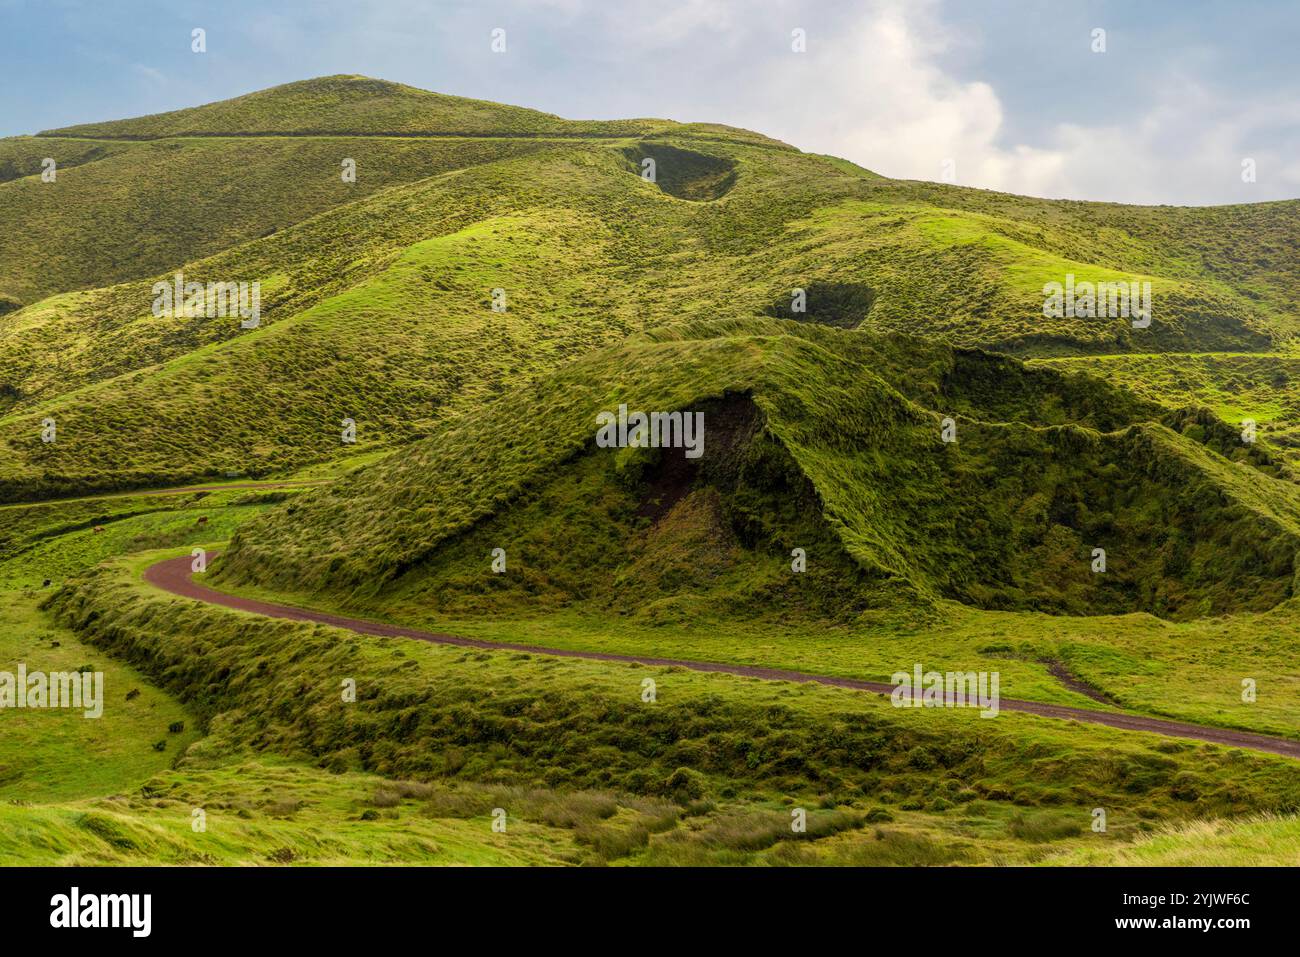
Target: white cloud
<point>1187,148</point>
<point>871,89</point>
<point>882,102</point>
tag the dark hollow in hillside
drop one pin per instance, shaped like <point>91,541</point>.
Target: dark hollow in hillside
<point>685,174</point>
<point>9,396</point>
<point>10,170</point>
<point>1061,494</point>
<point>650,533</point>
<point>841,304</point>
<point>668,476</point>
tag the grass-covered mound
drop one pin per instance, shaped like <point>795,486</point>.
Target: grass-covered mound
<point>842,455</point>
<point>652,534</point>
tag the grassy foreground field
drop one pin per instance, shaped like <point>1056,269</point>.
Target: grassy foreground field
<point>908,793</point>
<point>56,756</point>
<point>712,767</point>
<point>949,794</point>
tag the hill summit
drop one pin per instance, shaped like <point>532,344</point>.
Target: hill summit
<point>362,106</point>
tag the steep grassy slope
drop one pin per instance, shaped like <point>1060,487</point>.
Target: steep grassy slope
<point>126,211</point>
<point>823,440</point>
<point>395,353</point>
<point>730,228</point>
<point>134,197</point>
<point>994,270</point>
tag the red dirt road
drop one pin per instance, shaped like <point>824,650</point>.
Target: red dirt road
<point>173,575</point>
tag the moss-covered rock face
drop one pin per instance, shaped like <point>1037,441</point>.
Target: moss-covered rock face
<point>901,471</point>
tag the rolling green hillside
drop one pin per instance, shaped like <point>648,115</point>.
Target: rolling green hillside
<point>139,209</point>
<point>134,197</point>
<point>883,398</point>
<point>823,439</point>
<point>399,269</point>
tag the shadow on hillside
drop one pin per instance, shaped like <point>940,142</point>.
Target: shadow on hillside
<point>683,173</point>
<point>841,304</point>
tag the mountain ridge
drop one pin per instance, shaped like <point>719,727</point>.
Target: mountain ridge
<point>332,105</point>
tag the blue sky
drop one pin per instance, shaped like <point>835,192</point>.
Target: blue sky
<point>1010,92</point>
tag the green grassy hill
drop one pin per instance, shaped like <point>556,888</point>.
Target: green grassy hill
<point>822,439</point>
<point>132,198</point>
<point>139,209</point>
<point>363,106</point>
<point>400,268</point>
<point>494,279</point>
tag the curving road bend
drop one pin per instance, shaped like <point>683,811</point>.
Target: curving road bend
<point>173,575</point>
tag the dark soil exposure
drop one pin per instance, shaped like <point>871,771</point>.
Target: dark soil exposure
<point>666,484</point>
<point>1064,676</point>
<point>685,174</point>
<point>841,304</point>
<point>730,423</point>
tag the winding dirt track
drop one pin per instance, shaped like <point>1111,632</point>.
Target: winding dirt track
<point>173,575</point>
<point>172,490</point>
